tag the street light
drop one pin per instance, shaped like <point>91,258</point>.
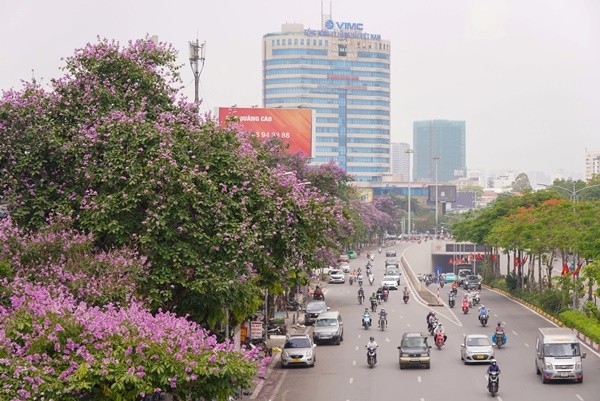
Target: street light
<point>409,152</point>
<point>436,159</point>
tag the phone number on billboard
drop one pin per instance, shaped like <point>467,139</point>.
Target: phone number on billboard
<point>266,135</point>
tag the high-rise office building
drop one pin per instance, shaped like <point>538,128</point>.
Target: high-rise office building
<point>592,164</point>
<point>342,73</point>
<point>399,159</point>
<point>441,142</point>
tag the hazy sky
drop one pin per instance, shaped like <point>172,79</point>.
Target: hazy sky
<point>524,74</point>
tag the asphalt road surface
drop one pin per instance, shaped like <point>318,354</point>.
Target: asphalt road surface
<point>342,374</point>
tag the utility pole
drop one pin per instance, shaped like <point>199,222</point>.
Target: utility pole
<point>409,152</point>
<point>197,52</point>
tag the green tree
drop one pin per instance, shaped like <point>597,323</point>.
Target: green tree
<point>521,183</point>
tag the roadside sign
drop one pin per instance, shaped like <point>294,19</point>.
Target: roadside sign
<point>256,329</point>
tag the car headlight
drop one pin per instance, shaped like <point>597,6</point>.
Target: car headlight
<point>309,354</point>
<point>578,366</point>
<point>548,366</point>
<point>285,354</point>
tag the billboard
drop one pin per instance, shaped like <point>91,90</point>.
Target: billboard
<point>446,193</point>
<point>293,126</point>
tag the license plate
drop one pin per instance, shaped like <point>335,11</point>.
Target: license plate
<point>564,374</point>
<point>296,359</point>
<point>414,360</point>
<point>479,357</point>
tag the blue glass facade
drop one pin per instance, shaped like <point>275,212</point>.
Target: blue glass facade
<point>445,139</point>
<point>344,77</point>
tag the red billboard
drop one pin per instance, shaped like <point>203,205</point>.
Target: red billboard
<point>292,126</point>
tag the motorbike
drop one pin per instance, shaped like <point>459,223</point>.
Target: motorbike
<point>360,282</point>
<point>499,339</point>
<point>405,297</point>
<point>476,298</point>
<point>361,298</point>
<point>351,280</point>
<point>483,319</point>
<point>386,294</point>
<point>493,382</point>
<point>366,321</point>
<point>382,324</point>
<point>439,340</point>
<point>318,296</point>
<point>451,301</point>
<point>371,280</point>
<point>465,308</point>
<point>454,291</point>
<point>379,298</point>
<point>373,306</point>
<point>371,356</point>
<point>442,283</point>
<point>432,325</point>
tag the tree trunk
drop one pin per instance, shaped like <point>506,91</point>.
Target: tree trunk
<point>540,271</point>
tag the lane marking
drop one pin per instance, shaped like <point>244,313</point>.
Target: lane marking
<point>353,363</point>
<point>515,333</point>
<point>387,340</point>
<point>419,379</point>
<point>527,345</point>
<point>351,380</point>
<point>357,348</point>
<point>407,324</point>
<point>579,397</point>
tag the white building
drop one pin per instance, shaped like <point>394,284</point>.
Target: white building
<point>592,164</point>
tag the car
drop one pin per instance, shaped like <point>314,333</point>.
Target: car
<point>390,282</point>
<point>392,262</point>
<point>298,349</point>
<point>329,327</point>
<point>390,253</point>
<point>391,271</point>
<point>451,277</point>
<point>472,282</point>
<point>344,266</point>
<point>352,254</point>
<point>337,276</point>
<point>313,310</point>
<point>344,258</point>
<point>414,350</point>
<point>476,348</point>
<point>462,275</point>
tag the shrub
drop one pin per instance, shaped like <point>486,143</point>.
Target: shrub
<point>582,323</point>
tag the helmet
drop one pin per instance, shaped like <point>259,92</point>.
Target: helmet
<point>499,323</point>
<point>366,309</point>
<point>383,309</point>
<point>493,362</point>
<point>373,339</point>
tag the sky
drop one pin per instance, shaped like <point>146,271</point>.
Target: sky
<point>523,74</point>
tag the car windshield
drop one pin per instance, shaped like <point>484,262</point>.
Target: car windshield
<point>478,341</point>
<point>389,278</point>
<point>558,350</point>
<point>326,322</point>
<point>315,306</point>
<point>297,343</point>
<point>414,342</point>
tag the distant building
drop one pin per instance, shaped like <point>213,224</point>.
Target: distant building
<point>445,139</point>
<point>399,159</point>
<point>592,164</point>
<point>342,72</point>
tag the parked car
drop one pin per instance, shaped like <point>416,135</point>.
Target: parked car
<point>337,277</point>
<point>392,262</point>
<point>472,282</point>
<point>352,254</point>
<point>298,349</point>
<point>476,348</point>
<point>414,350</point>
<point>390,253</point>
<point>390,281</point>
<point>313,310</point>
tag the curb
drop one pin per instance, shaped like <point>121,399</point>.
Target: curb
<point>586,340</point>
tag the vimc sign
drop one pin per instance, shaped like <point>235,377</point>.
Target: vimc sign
<point>292,126</point>
<point>349,26</point>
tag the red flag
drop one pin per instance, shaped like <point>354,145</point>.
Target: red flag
<point>479,256</point>
<point>517,261</point>
<point>451,261</point>
<point>565,269</point>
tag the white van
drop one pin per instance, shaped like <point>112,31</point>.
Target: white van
<point>558,355</point>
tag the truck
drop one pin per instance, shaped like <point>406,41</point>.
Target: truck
<point>558,355</point>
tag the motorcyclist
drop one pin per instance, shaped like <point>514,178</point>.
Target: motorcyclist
<point>373,344</point>
<point>371,279</point>
<point>373,300</point>
<point>383,315</point>
<point>494,367</point>
<point>359,278</point>
<point>318,293</point>
<point>385,292</point>
<point>431,321</point>
<point>366,314</point>
<point>465,302</point>
<point>361,293</point>
<point>440,330</point>
<point>379,294</point>
<point>405,294</point>
<point>483,312</point>
<point>429,317</point>
<point>379,249</point>
<point>499,331</point>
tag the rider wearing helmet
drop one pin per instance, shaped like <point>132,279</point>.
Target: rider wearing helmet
<point>383,315</point>
<point>366,314</point>
<point>499,331</point>
<point>494,367</point>
<point>372,344</point>
<point>439,329</point>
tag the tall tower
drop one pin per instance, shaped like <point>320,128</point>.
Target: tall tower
<point>342,73</point>
<point>445,139</point>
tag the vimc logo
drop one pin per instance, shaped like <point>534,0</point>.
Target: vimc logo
<point>351,26</point>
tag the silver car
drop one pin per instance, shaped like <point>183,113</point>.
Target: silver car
<point>298,350</point>
<point>476,348</point>
<point>337,277</point>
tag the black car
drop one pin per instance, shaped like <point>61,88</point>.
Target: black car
<point>472,282</point>
<point>414,350</point>
<point>313,310</point>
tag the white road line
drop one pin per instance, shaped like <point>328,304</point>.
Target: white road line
<point>353,363</point>
<point>580,398</point>
<point>527,345</point>
<point>387,340</point>
<point>351,380</point>
<point>499,398</point>
<point>515,333</point>
<point>407,324</point>
<point>419,379</point>
<point>356,348</point>
<point>422,399</point>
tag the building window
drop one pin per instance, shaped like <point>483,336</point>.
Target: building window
<point>320,42</point>
<point>342,49</point>
<point>314,42</point>
<point>301,42</point>
<point>295,42</point>
<point>278,42</point>
<point>289,42</point>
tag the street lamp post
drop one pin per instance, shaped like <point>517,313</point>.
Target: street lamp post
<point>409,152</point>
<point>436,159</point>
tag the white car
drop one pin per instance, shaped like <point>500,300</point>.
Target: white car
<point>393,272</point>
<point>390,282</point>
<point>337,277</point>
<point>345,266</point>
<point>476,348</point>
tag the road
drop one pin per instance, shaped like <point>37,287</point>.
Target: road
<point>341,372</point>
